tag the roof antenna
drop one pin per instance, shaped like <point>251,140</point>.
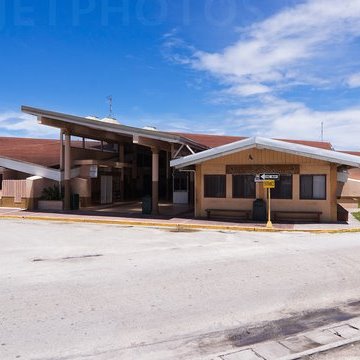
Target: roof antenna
<point>322,131</point>
<point>110,101</point>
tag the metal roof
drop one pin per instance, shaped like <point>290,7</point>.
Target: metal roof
<point>110,127</point>
<point>30,168</point>
<point>270,144</point>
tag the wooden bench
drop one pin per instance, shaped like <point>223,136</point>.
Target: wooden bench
<point>313,215</point>
<point>246,213</point>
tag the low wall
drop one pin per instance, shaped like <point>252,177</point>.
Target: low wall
<point>23,193</point>
<point>11,203</point>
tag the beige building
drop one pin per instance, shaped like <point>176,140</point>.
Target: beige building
<point>309,179</point>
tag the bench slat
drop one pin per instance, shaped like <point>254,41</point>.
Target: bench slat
<point>246,212</point>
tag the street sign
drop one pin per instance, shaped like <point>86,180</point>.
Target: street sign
<point>269,184</point>
<point>269,176</point>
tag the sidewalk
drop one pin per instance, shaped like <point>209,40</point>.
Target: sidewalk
<point>348,352</point>
<point>180,223</point>
<point>321,341</point>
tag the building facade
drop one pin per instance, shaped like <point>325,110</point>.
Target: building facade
<point>104,162</point>
<point>309,179</point>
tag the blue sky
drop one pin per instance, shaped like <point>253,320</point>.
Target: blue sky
<point>247,67</point>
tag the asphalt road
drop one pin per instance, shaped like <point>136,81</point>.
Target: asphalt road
<point>81,291</point>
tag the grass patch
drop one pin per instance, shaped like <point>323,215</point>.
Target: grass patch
<point>357,215</point>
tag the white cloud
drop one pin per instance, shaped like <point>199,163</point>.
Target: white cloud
<point>353,81</point>
<point>269,51</point>
<point>310,44</point>
<point>283,119</point>
<point>23,125</point>
<point>248,89</point>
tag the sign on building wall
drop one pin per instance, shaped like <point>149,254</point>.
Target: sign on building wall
<point>263,169</point>
<point>93,171</point>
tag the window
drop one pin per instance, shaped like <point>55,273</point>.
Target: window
<point>283,188</point>
<point>244,186</point>
<point>215,186</point>
<point>180,181</point>
<point>313,187</point>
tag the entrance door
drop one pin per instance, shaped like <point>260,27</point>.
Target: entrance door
<point>106,184</point>
<point>181,188</point>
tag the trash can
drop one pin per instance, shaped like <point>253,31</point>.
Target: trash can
<point>74,201</point>
<point>259,210</point>
<point>146,205</point>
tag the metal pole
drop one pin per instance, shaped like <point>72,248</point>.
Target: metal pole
<point>269,223</point>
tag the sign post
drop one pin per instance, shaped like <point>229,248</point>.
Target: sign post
<point>269,223</point>
<point>268,185</point>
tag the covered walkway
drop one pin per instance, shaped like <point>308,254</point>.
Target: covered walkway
<point>115,162</point>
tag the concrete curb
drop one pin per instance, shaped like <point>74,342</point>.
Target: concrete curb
<point>321,349</point>
<point>179,226</point>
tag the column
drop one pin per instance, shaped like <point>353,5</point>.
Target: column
<point>67,172</point>
<point>122,171</point>
<point>155,181</point>
<point>134,172</point>
<point>61,150</point>
<point>168,180</point>
<point>192,188</point>
<point>331,196</point>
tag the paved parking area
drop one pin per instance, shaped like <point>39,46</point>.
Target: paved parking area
<point>84,291</point>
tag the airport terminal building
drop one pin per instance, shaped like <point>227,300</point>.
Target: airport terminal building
<point>104,162</point>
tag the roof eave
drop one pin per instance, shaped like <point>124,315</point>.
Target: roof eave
<point>117,128</point>
<point>270,144</point>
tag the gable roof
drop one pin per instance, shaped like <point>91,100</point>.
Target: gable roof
<point>357,153</point>
<point>212,141</point>
<point>354,174</point>
<point>45,152</point>
<point>270,144</point>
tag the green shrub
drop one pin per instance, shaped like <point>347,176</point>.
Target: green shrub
<point>51,193</point>
<point>357,215</point>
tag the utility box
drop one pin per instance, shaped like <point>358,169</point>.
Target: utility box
<point>146,205</point>
<point>259,210</point>
<point>74,202</point>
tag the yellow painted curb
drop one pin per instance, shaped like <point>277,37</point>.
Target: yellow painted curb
<point>174,225</point>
